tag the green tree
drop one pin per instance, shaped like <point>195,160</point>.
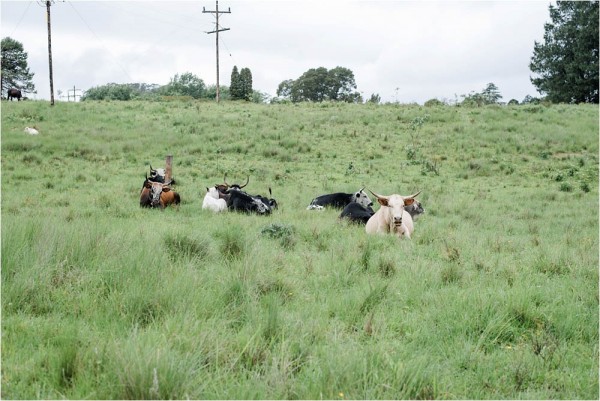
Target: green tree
<point>319,84</point>
<point>490,95</point>
<point>246,83</point>
<point>15,71</point>
<point>186,84</point>
<point>235,89</point>
<point>566,64</point>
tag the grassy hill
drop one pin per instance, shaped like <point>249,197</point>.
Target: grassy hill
<point>496,296</point>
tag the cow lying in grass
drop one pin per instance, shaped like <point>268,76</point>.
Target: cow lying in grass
<point>392,216</point>
<point>357,213</point>
<point>339,200</point>
<point>212,201</point>
<point>156,194</point>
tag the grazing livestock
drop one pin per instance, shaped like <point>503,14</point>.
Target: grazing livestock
<point>339,200</point>
<point>392,216</point>
<point>212,201</point>
<point>13,93</point>
<point>157,194</point>
<point>31,131</point>
<point>357,213</point>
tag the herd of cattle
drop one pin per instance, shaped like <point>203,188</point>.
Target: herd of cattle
<point>396,214</point>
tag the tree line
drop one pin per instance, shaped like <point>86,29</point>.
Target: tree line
<point>565,67</point>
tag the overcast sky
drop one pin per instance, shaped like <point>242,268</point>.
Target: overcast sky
<point>405,51</point>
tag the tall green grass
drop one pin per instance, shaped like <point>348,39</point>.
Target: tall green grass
<point>496,296</point>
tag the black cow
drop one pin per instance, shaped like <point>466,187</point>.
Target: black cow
<point>339,200</point>
<point>14,93</point>
<point>357,213</point>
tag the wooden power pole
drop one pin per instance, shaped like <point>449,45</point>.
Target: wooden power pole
<point>217,30</point>
<point>48,4</point>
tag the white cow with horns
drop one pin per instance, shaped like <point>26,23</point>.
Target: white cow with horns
<point>391,216</point>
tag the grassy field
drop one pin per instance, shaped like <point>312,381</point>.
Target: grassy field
<point>495,297</point>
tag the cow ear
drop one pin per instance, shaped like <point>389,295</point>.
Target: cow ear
<point>382,201</point>
<point>166,189</point>
<point>409,201</point>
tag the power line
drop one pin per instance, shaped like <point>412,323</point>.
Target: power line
<point>100,40</point>
<point>21,19</point>
<point>217,30</point>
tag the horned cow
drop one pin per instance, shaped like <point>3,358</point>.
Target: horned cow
<point>392,216</point>
<point>157,194</point>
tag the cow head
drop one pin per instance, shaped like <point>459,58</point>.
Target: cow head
<point>156,189</point>
<point>362,198</point>
<point>157,175</point>
<point>395,205</point>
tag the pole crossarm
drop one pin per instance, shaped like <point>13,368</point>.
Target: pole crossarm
<point>218,29</point>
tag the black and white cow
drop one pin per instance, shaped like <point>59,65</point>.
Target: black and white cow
<point>157,174</point>
<point>240,201</point>
<point>339,200</point>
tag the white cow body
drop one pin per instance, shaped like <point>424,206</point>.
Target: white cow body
<point>213,202</point>
<point>391,216</point>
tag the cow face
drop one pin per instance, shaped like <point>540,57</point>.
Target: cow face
<point>156,189</point>
<point>362,198</point>
<point>395,205</point>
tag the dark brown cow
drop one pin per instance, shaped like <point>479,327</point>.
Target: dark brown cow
<point>14,93</point>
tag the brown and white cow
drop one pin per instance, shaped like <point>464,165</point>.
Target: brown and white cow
<point>157,194</point>
<point>391,216</point>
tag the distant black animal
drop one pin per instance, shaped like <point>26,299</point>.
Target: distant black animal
<point>357,213</point>
<point>14,93</point>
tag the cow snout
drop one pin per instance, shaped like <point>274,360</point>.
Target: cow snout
<point>397,220</point>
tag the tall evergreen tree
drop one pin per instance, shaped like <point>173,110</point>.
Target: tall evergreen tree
<point>246,83</point>
<point>235,88</point>
<point>15,71</point>
<point>566,64</point>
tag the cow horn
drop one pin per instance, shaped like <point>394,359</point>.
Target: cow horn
<point>247,181</point>
<point>166,184</point>
<point>413,195</point>
<point>376,195</point>
<point>225,180</point>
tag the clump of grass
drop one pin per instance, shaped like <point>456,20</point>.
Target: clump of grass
<point>233,244</point>
<point>451,274</point>
<point>387,267</point>
<point>181,246</point>
<point>285,233</point>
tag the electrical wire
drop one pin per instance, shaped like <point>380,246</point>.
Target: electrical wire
<point>100,40</point>
<point>21,19</point>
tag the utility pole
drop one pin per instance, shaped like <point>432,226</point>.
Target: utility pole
<point>48,4</point>
<point>74,94</point>
<point>217,30</point>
